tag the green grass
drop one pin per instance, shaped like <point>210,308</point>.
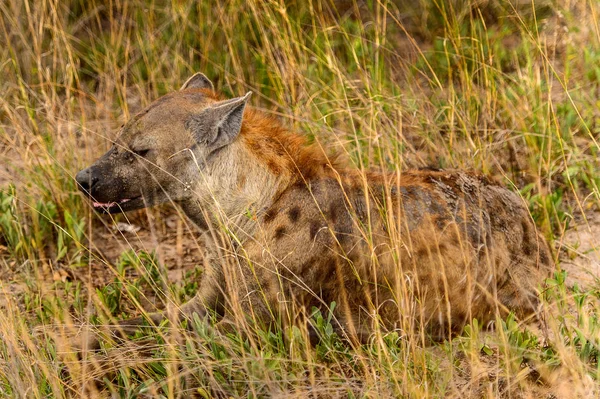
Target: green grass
<point>507,88</point>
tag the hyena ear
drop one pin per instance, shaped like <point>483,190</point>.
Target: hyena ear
<point>219,124</point>
<point>198,81</point>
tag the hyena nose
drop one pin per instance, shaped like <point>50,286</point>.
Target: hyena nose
<point>86,181</point>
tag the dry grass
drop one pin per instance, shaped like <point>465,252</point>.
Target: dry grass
<point>510,88</point>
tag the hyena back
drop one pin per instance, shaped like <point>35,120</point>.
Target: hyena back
<point>390,249</point>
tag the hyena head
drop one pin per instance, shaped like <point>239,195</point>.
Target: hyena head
<point>160,153</point>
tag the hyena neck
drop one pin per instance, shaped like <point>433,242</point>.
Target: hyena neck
<point>245,178</point>
<point>285,153</point>
<point>233,191</point>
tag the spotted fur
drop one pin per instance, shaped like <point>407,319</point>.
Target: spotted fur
<point>428,248</point>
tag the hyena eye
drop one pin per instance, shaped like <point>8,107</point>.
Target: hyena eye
<point>141,153</point>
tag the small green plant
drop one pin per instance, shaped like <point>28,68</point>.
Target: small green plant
<point>329,342</point>
<point>34,231</point>
<point>11,231</point>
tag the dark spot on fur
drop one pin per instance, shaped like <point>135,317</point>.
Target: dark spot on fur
<point>544,257</point>
<point>255,146</point>
<point>294,214</point>
<point>455,240</point>
<point>274,166</point>
<point>305,267</point>
<point>354,257</point>
<point>460,316</point>
<point>279,232</point>
<point>314,229</point>
<point>364,245</point>
<point>333,213</point>
<point>437,208</point>
<point>331,265</point>
<point>515,257</point>
<point>527,246</point>
<point>422,253</point>
<point>360,207</point>
<point>341,237</point>
<point>504,280</point>
<point>408,192</point>
<point>384,227</point>
<point>440,221</point>
<point>201,222</point>
<point>299,188</point>
<point>526,228</point>
<point>488,237</point>
<point>430,168</point>
<point>270,215</point>
<point>441,285</point>
<point>343,229</point>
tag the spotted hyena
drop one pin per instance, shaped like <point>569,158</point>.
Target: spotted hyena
<point>419,247</point>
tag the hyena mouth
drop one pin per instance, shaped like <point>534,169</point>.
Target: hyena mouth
<point>119,206</point>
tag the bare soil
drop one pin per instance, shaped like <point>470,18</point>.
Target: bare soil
<point>580,254</point>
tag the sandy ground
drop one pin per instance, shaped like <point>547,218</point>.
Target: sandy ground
<point>580,252</point>
<point>175,244</point>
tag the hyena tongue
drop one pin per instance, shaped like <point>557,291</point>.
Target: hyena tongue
<point>104,204</point>
<point>109,204</point>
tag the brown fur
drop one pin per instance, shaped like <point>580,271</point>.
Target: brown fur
<point>283,151</point>
<point>397,250</point>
